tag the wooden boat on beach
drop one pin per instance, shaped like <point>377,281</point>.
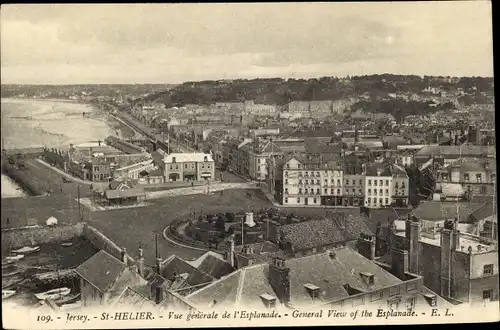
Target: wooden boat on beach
<point>27,249</point>
<point>53,294</point>
<point>8,293</point>
<point>12,259</point>
<point>68,299</point>
<point>67,244</point>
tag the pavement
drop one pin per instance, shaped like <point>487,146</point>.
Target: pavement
<point>199,190</point>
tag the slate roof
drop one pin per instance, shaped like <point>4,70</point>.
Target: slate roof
<point>472,165</point>
<point>438,211</point>
<point>318,233</point>
<point>245,286</point>
<point>121,145</point>
<point>467,150</point>
<point>102,270</point>
<point>132,192</point>
<point>213,264</point>
<point>178,266</point>
<point>482,212</point>
<point>132,298</point>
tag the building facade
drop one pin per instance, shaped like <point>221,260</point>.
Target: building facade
<point>189,167</point>
<point>311,182</point>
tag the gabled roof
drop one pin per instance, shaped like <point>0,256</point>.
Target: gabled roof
<point>213,264</point>
<point>175,266</point>
<point>132,192</point>
<point>131,297</point>
<point>329,272</point>
<point>102,270</point>
<point>438,211</point>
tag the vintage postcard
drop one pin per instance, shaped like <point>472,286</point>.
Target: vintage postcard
<point>220,165</point>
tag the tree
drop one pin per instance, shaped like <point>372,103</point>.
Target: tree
<point>220,223</point>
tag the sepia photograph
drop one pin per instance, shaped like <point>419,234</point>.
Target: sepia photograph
<point>248,164</point>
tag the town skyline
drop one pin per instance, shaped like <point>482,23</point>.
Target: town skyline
<point>181,43</point>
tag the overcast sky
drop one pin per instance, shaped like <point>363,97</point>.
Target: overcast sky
<point>69,44</point>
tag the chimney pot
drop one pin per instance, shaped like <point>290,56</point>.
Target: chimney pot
<point>124,256</point>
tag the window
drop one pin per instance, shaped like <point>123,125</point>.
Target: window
<point>360,191</point>
<point>318,191</point>
<point>360,182</point>
<point>202,165</point>
<point>326,181</point>
<point>377,296</point>
<point>286,190</point>
<point>369,200</point>
<point>338,191</point>
<point>300,190</point>
<point>358,301</point>
<point>394,291</point>
<point>380,201</point>
<point>298,165</point>
<point>369,191</point>
<point>381,191</point>
<point>300,181</point>
<point>386,182</point>
<point>466,176</point>
<point>286,173</point>
<point>375,192</point>
<point>331,191</point>
<point>298,199</point>
<point>493,177</point>
<point>338,183</point>
<point>317,182</point>
<point>387,191</point>
<point>369,182</point>
<point>286,181</point>
<point>307,181</point>
<point>305,190</point>
<point>314,200</point>
<point>396,185</point>
<point>208,165</point>
<point>375,182</point>
<point>387,201</point>
<point>487,294</point>
<point>488,269</point>
<point>170,166</point>
<point>479,177</point>
<point>173,159</point>
<point>286,200</point>
<point>445,176</point>
<point>381,182</point>
<point>288,166</point>
<point>326,191</point>
<point>185,165</point>
<point>205,159</point>
<point>412,286</point>
<point>176,166</point>
<point>346,181</point>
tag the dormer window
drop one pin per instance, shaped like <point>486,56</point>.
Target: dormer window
<point>369,278</point>
<point>205,159</point>
<point>466,176</point>
<point>313,290</point>
<point>268,300</point>
<point>173,159</point>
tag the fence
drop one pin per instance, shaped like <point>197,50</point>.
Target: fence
<point>101,242</point>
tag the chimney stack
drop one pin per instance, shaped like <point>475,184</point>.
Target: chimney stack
<point>230,252</point>
<point>399,263</point>
<point>158,295</point>
<point>366,246</point>
<point>124,256</point>
<point>449,243</point>
<point>414,245</point>
<point>279,279</point>
<point>140,266</point>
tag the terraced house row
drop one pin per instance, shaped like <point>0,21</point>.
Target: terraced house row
<point>312,181</point>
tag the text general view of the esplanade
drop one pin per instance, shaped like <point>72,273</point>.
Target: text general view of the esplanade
<point>367,191</point>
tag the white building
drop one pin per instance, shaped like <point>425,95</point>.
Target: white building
<point>189,167</point>
<point>308,181</point>
<point>380,186</point>
<point>132,171</point>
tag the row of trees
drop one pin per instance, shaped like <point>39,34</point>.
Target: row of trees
<point>281,91</point>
